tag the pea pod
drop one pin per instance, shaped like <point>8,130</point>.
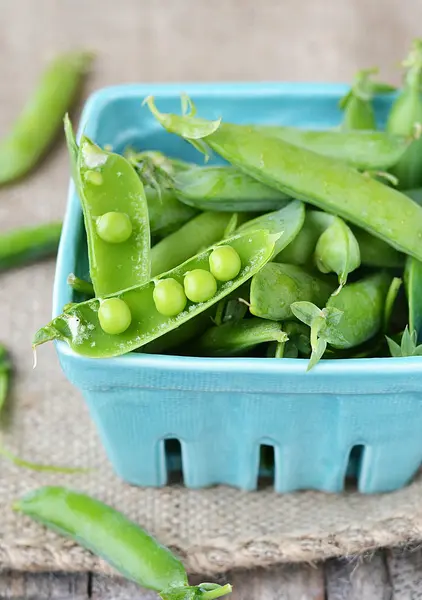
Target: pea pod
<point>80,326</point>
<point>365,150</point>
<point>115,214</point>
<point>415,194</point>
<point>107,533</point>
<point>225,188</point>
<point>166,213</point>
<point>349,319</point>
<point>231,339</point>
<point>332,186</point>
<point>199,232</point>
<point>357,103</point>
<point>177,338</point>
<point>413,286</point>
<point>26,244</point>
<point>5,369</point>
<point>276,286</point>
<point>376,253</point>
<point>36,127</point>
<point>405,115</point>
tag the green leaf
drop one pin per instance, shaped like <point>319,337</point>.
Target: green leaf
<point>317,353</point>
<point>306,311</point>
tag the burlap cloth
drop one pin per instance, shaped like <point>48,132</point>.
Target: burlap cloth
<point>139,40</point>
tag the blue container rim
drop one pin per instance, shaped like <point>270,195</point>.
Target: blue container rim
<point>65,259</point>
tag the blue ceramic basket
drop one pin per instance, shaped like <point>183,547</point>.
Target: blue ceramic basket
<point>223,409</point>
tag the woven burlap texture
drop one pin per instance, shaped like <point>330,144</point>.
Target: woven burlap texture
<point>217,529</point>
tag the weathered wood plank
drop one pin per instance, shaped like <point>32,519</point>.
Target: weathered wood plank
<point>43,586</point>
<point>285,582</point>
<point>359,579</point>
<point>115,588</point>
<point>405,568</point>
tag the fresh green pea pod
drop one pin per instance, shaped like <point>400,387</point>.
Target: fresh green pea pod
<point>288,221</point>
<point>337,251</point>
<point>413,286</point>
<point>80,326</point>
<point>40,121</point>
<point>233,339</point>
<point>107,533</point>
<point>276,286</point>
<point>166,213</point>
<point>5,370</point>
<point>365,150</point>
<point>225,188</point>
<point>80,285</point>
<point>179,337</point>
<point>199,232</point>
<point>300,173</point>
<point>362,303</point>
<point>27,244</point>
<point>415,194</point>
<point>357,103</point>
<point>405,116</point>
<point>115,214</point>
<point>390,300</point>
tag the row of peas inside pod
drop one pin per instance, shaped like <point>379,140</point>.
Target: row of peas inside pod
<point>298,247</point>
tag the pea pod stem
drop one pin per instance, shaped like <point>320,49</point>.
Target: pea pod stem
<point>80,285</point>
<point>36,127</point>
<point>27,244</point>
<point>329,185</point>
<point>216,593</point>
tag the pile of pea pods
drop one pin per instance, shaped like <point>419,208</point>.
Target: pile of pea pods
<point>297,247</point>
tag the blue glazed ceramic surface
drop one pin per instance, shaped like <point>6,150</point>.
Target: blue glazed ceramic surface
<point>222,410</point>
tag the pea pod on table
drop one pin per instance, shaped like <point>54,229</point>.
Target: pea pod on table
<point>122,322</point>
<point>26,244</point>
<point>365,150</point>
<point>40,121</point>
<point>5,369</point>
<point>115,215</point>
<point>118,540</point>
<point>330,185</point>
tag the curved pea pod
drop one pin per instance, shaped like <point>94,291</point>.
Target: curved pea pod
<point>107,183</point>
<point>405,116</point>
<point>232,339</point>
<point>107,533</point>
<point>415,194</point>
<point>225,188</point>
<point>301,249</point>
<point>316,179</point>
<point>166,213</point>
<point>413,286</point>
<point>80,326</point>
<point>199,232</point>
<point>20,246</point>
<point>337,251</point>
<point>357,103</point>
<point>288,221</point>
<point>365,150</point>
<point>179,337</point>
<point>276,286</point>
<point>40,121</point>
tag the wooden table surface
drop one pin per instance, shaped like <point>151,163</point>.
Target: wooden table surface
<point>386,575</point>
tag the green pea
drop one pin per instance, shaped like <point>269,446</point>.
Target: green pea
<point>114,227</point>
<point>114,316</point>
<point>200,285</point>
<point>169,297</point>
<point>225,263</point>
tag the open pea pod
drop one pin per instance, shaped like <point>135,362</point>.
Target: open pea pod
<point>365,150</point>
<point>225,188</point>
<point>319,180</point>
<point>413,286</point>
<point>80,326</point>
<point>288,220</point>
<point>115,215</point>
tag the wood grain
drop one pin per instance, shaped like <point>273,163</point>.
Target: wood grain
<point>359,579</point>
